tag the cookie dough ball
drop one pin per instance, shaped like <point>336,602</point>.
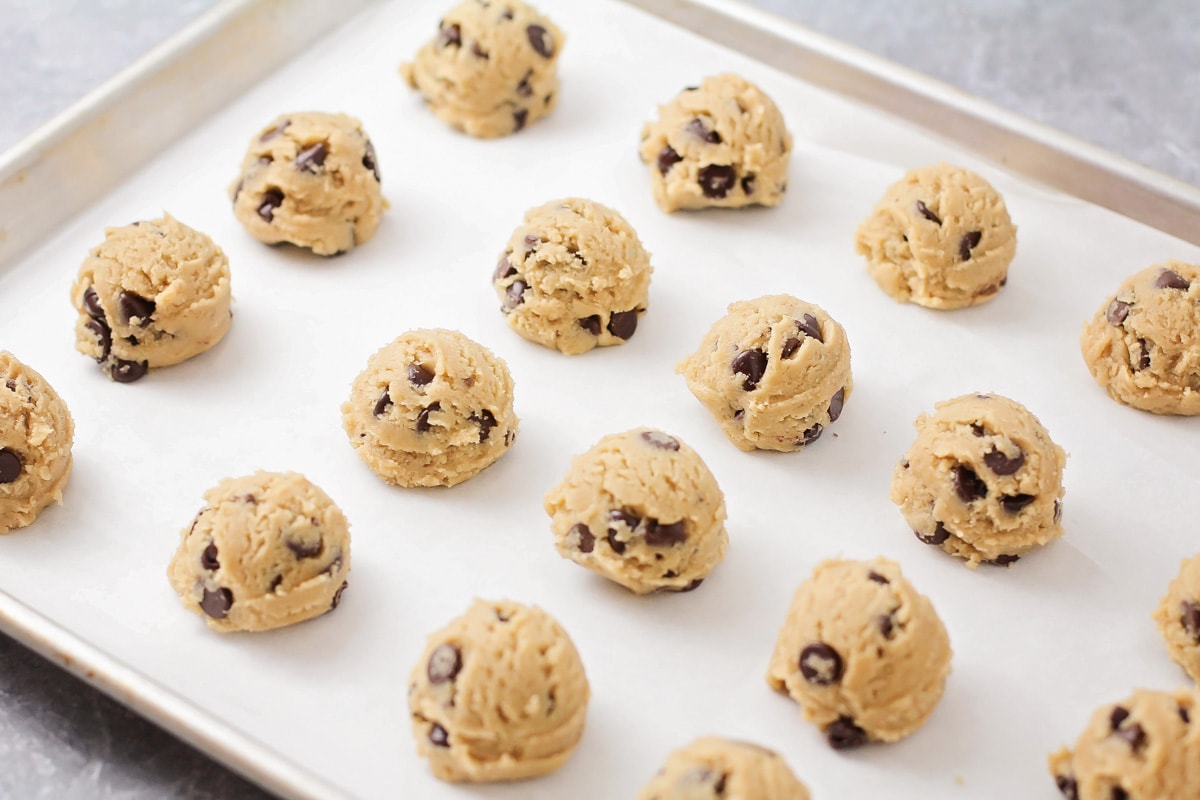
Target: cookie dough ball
<point>1143,346</point>
<point>491,69</point>
<point>774,373</point>
<point>312,180</point>
<point>498,695</point>
<point>720,144</point>
<point>152,294</point>
<point>940,238</point>
<point>35,444</point>
<point>1178,618</point>
<point>574,276</point>
<point>267,550</point>
<point>641,509</point>
<point>712,768</point>
<point>433,408</point>
<point>862,652</point>
<point>983,480</point>
<point>1146,746</point>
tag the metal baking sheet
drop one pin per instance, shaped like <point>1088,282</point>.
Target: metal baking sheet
<point>319,710</point>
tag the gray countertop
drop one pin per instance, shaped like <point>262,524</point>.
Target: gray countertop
<point>1121,73</point>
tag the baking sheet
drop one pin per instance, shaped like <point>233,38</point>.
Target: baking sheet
<point>1037,647</point>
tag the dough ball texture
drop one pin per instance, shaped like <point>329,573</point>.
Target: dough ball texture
<point>1143,345</point>
<point>574,276</point>
<point>862,652</point>
<point>433,408</point>
<point>982,480</point>
<point>711,768</point>
<point>152,294</point>
<point>940,237</point>
<point>720,144</point>
<point>498,695</point>
<point>1146,746</point>
<point>492,68</point>
<point>774,373</point>
<point>310,179</point>
<point>1178,618</point>
<point>35,444</point>
<point>641,509</point>
<point>267,550</point>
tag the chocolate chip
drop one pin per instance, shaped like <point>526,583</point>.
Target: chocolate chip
<point>886,626</point>
<point>702,132</point>
<point>1001,464</point>
<point>444,663</point>
<point>382,404</point>
<point>1068,787</point>
<point>531,242</point>
<point>479,52</point>
<point>515,294</point>
<point>748,183</point>
<point>418,375</point>
<point>275,583</point>
<point>969,242</point>
<point>631,521</point>
<point>1003,560</point>
<point>659,535</point>
<point>790,347</point>
<point>843,734</point>
<point>540,40</point>
<point>438,736</point>
<point>1144,361</point>
<point>967,485</point>
<point>507,15</point>
<point>668,158</point>
<point>836,403</point>
<point>450,35</point>
<point>11,385</point>
<point>939,535</point>
<point>1058,510</point>
<point>585,542</point>
<point>129,371</point>
<point>1190,618</point>
<point>1171,280</point>
<point>91,303</point>
<point>303,550</point>
<point>208,559</point>
<point>716,180</point>
<point>504,269</point>
<point>1119,715</point>
<point>809,326</point>
<point>337,596</point>
<point>616,544</point>
<point>1015,503</point>
<point>811,435</point>
<point>423,418</point>
<point>486,420</point>
<point>217,604</point>
<point>1185,716</point>
<point>132,305</point>
<point>820,664</point>
<point>271,200</point>
<point>623,324</point>
<point>660,440</point>
<point>1118,794</point>
<point>523,88</point>
<point>312,158</point>
<point>591,324</point>
<point>520,116</point>
<point>875,576</point>
<point>10,466</point>
<point>924,211</point>
<point>334,565</point>
<point>370,162</point>
<point>1118,312</point>
<point>1133,735</point>
<point>271,133</point>
<point>103,336</point>
<point>752,364</point>
<point>691,587</point>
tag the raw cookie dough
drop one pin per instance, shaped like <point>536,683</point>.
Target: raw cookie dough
<point>311,179</point>
<point>774,373</point>
<point>722,143</point>
<point>267,550</point>
<point>1147,747</point>
<point>862,652</point>
<point>940,237</point>
<point>492,68</point>
<point>433,408</point>
<point>1143,346</point>
<point>1178,617</point>
<point>35,444</point>
<point>152,294</point>
<point>983,480</point>
<point>498,695</point>
<point>641,509</point>
<point>574,276</point>
<point>711,768</point>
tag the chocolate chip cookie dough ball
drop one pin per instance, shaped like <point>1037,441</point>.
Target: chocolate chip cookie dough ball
<point>641,509</point>
<point>940,237</point>
<point>724,768</point>
<point>862,652</point>
<point>1178,617</point>
<point>491,69</point>
<point>433,408</point>
<point>498,695</point>
<point>982,480</point>
<point>1146,746</point>
<point>774,373</point>
<point>574,276</point>
<point>1143,346</point>
<point>267,550</point>
<point>152,294</point>
<point>36,432</point>
<point>310,179</point>
<point>720,144</point>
